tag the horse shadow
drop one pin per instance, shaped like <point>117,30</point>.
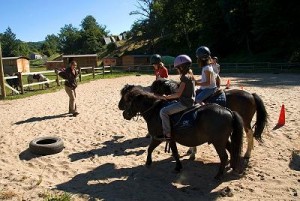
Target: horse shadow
<point>108,182</point>
<point>34,119</point>
<point>115,148</point>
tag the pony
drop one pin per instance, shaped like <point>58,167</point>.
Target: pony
<point>37,78</point>
<point>14,82</point>
<point>213,124</point>
<point>243,102</point>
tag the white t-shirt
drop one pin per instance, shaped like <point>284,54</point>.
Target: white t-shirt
<point>212,77</point>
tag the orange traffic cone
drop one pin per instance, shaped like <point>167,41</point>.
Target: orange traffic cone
<point>228,84</point>
<point>281,120</point>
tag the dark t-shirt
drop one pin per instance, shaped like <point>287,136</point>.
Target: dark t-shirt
<point>187,97</point>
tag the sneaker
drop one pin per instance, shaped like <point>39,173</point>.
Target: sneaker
<point>75,114</point>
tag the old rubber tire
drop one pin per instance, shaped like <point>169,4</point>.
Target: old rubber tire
<point>46,145</point>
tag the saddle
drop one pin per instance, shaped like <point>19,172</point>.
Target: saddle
<point>218,97</point>
<point>184,119</point>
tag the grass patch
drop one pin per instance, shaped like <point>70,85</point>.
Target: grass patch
<point>54,88</point>
<point>57,196</point>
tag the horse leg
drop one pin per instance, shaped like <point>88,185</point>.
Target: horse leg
<point>175,154</point>
<point>223,159</point>
<point>153,144</point>
<point>192,152</point>
<point>249,134</point>
<point>228,147</point>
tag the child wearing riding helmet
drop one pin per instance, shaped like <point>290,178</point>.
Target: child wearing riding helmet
<point>161,72</point>
<point>185,94</point>
<point>207,82</point>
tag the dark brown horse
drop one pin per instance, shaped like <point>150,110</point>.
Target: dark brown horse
<point>243,102</point>
<point>212,124</point>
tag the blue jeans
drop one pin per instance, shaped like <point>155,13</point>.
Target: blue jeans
<point>165,116</point>
<point>205,93</point>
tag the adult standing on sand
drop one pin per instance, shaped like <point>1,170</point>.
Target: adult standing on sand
<point>70,75</point>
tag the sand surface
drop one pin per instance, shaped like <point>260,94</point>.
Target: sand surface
<point>104,154</point>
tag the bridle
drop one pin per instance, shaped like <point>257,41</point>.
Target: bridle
<point>144,112</point>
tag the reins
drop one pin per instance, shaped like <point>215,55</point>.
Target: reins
<point>150,108</point>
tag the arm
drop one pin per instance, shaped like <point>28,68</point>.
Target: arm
<point>218,81</point>
<point>207,82</point>
<point>178,93</point>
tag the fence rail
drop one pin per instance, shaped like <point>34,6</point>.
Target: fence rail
<point>259,67</point>
<point>91,71</point>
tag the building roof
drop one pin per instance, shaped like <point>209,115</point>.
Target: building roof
<point>10,58</point>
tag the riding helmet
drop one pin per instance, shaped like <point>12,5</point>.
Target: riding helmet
<point>203,53</point>
<point>155,59</point>
<point>182,59</point>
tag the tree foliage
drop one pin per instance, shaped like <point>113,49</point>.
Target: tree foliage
<point>228,27</point>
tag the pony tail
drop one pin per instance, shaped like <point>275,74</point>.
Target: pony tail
<point>236,140</point>
<point>261,117</point>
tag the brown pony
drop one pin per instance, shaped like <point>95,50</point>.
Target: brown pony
<point>243,102</point>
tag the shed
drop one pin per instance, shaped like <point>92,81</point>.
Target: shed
<point>51,65</point>
<point>83,60</point>
<point>15,64</point>
<point>109,61</point>
<point>136,60</point>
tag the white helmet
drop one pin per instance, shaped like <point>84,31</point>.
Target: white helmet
<point>182,59</point>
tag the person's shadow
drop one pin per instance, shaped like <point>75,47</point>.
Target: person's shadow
<point>34,119</point>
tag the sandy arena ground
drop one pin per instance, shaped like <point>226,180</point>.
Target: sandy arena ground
<point>104,154</point>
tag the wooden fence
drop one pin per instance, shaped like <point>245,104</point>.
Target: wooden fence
<point>82,72</point>
<point>260,67</point>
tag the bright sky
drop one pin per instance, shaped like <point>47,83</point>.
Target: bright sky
<point>33,20</point>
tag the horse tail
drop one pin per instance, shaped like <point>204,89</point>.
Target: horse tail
<point>236,139</point>
<point>261,117</point>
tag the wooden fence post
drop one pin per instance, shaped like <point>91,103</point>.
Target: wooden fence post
<point>57,78</point>
<point>21,82</point>
<point>3,92</point>
<point>80,74</point>
<point>93,67</point>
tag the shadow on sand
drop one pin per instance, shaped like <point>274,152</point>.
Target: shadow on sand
<point>34,119</point>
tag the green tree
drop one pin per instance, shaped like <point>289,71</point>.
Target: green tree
<point>69,40</point>
<point>9,43</point>
<point>91,35</point>
<point>51,45</point>
<point>21,49</point>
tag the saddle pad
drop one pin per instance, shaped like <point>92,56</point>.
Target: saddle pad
<point>184,119</point>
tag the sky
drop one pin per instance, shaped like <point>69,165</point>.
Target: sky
<point>33,20</point>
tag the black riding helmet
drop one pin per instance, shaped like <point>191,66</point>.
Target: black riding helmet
<point>155,59</point>
<point>203,53</point>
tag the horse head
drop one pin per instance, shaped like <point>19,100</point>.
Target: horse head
<point>138,102</point>
<point>124,91</point>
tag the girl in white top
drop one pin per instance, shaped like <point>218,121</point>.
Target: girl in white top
<point>208,77</point>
